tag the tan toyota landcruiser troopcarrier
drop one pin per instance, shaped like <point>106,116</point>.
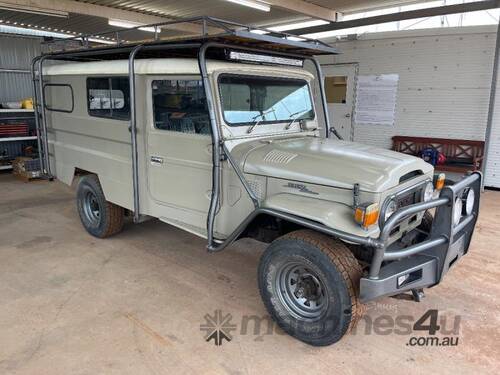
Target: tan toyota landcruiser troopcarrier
<point>228,136</point>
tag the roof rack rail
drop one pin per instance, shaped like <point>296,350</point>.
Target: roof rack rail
<point>208,28</point>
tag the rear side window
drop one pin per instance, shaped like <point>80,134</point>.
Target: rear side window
<point>109,97</point>
<point>58,97</point>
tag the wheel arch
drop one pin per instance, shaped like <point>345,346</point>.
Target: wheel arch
<point>78,173</point>
<point>114,191</point>
<point>266,227</point>
<point>277,224</point>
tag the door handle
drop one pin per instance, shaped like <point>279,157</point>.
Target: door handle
<point>348,115</point>
<point>156,160</point>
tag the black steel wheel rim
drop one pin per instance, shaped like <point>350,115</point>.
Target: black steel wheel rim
<point>91,208</point>
<point>301,291</point>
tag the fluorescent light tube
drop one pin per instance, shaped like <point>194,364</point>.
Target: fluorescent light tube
<point>261,32</point>
<point>130,25</point>
<point>253,4</point>
<point>95,40</point>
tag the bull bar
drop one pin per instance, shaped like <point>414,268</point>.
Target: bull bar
<point>422,264</point>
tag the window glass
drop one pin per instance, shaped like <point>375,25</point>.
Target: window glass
<point>336,89</point>
<point>180,105</point>
<point>247,100</point>
<point>58,97</point>
<point>109,97</point>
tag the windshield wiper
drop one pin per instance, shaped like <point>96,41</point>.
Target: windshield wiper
<point>295,117</point>
<point>261,115</point>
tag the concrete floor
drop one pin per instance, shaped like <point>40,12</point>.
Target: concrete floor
<point>133,304</point>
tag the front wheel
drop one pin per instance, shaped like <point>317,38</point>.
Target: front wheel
<point>309,283</point>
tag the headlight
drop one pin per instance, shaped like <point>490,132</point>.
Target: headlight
<point>469,201</point>
<point>457,211</point>
<point>428,192</point>
<point>390,209</point>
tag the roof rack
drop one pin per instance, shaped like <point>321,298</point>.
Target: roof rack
<point>208,28</point>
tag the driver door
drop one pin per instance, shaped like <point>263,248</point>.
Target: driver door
<point>179,150</point>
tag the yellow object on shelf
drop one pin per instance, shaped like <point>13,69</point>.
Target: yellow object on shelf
<point>27,103</point>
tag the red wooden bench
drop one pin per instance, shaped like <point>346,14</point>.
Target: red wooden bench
<point>461,155</point>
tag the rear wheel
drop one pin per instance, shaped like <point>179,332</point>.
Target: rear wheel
<point>99,217</point>
<point>309,283</point>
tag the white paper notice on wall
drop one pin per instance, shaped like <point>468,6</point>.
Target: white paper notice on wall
<point>376,99</point>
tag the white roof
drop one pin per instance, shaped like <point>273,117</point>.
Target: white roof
<point>163,66</point>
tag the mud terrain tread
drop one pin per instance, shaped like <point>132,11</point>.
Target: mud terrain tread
<point>345,262</point>
<point>114,213</point>
<point>426,224</point>
<point>115,219</point>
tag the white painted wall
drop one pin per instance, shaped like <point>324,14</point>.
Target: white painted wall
<point>492,175</point>
<point>444,87</point>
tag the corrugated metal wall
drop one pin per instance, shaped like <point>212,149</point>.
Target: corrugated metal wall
<point>16,54</point>
<point>444,87</point>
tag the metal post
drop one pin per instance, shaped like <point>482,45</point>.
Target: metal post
<point>37,114</point>
<point>43,118</point>
<point>216,147</point>
<point>491,108</point>
<point>321,80</point>
<point>133,131</point>
<point>204,28</point>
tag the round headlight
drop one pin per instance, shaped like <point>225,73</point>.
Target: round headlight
<point>428,192</point>
<point>457,211</point>
<point>390,209</point>
<point>469,201</point>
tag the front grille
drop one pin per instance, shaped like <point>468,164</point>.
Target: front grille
<point>409,198</point>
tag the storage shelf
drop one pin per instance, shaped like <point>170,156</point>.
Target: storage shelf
<point>3,110</point>
<point>12,139</point>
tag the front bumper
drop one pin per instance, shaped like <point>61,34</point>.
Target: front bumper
<point>424,264</point>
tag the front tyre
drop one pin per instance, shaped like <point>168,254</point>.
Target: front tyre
<point>99,217</point>
<point>426,224</point>
<point>309,283</point>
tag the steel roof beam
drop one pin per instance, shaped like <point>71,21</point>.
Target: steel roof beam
<point>401,16</point>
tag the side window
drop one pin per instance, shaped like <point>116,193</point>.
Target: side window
<point>180,106</point>
<point>109,97</point>
<point>58,97</point>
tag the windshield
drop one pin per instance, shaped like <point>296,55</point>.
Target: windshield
<point>249,100</point>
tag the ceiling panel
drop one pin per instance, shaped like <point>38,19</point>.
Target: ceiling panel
<point>349,6</point>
